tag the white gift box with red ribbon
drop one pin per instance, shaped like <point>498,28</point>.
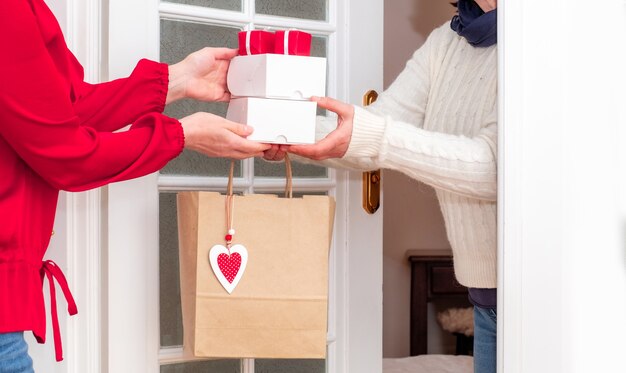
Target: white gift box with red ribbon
<point>275,121</point>
<point>277,76</point>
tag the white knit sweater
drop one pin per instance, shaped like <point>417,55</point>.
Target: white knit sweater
<point>437,123</point>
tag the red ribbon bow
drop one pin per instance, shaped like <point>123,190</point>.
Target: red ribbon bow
<point>52,271</point>
<point>293,42</point>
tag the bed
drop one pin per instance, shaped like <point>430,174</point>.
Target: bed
<point>432,277</point>
<point>429,364</point>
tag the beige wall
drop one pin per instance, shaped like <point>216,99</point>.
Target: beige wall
<point>412,218</point>
<point>407,24</point>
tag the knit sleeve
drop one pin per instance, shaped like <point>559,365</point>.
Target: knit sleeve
<point>38,120</point>
<point>462,165</point>
<point>456,163</point>
<point>112,105</point>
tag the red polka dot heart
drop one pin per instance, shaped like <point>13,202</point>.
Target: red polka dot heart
<point>228,266</point>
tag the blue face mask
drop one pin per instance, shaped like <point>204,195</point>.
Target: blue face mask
<point>477,27</point>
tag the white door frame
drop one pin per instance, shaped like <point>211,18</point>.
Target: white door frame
<point>530,179</point>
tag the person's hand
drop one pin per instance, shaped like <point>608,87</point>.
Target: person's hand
<point>215,136</point>
<point>201,76</point>
<point>276,152</point>
<point>335,144</point>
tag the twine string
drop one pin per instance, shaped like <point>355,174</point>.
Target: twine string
<point>230,197</point>
<point>230,206</point>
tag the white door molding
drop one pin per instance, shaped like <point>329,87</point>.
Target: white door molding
<point>362,263</point>
<point>83,210</point>
<point>530,183</point>
<point>562,260</point>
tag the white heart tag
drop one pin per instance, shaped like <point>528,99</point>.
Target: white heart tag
<point>228,266</point>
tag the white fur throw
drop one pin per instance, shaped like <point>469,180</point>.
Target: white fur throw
<point>457,320</point>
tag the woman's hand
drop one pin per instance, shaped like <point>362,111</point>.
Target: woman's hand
<point>215,136</point>
<point>201,76</point>
<point>276,152</point>
<point>335,144</point>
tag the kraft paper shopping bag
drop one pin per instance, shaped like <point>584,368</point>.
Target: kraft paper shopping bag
<point>266,294</point>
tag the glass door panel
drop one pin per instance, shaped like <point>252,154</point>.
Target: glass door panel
<point>289,366</point>
<point>213,366</point>
<point>305,9</point>
<point>217,4</point>
<point>171,322</point>
<point>179,39</point>
<point>277,170</point>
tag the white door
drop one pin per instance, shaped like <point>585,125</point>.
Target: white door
<point>562,186</point>
<point>142,321</point>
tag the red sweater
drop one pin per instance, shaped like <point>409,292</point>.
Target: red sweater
<point>56,134</point>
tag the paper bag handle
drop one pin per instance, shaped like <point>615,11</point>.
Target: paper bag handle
<point>288,183</point>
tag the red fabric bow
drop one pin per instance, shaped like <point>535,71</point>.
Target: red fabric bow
<point>52,272</point>
<point>293,42</point>
<point>256,42</point>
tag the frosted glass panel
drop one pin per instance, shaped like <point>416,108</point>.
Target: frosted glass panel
<point>179,39</point>
<point>190,163</point>
<point>218,4</point>
<point>307,9</point>
<point>214,366</point>
<point>267,169</point>
<point>318,46</point>
<point>290,366</point>
<point>169,281</point>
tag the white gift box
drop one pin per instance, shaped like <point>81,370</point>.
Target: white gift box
<point>277,76</point>
<point>275,121</point>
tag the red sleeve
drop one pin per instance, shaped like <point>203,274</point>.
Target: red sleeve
<point>38,119</point>
<point>113,105</point>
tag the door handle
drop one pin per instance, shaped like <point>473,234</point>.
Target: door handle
<point>372,179</point>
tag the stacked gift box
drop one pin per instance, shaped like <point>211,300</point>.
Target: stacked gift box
<point>271,83</point>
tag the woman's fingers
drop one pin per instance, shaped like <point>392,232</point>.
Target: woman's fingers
<point>237,128</point>
<point>238,134</point>
<point>274,153</point>
<point>225,97</point>
<point>270,153</point>
<point>204,74</point>
<point>215,136</point>
<point>240,144</point>
<point>242,155</point>
<point>224,53</point>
